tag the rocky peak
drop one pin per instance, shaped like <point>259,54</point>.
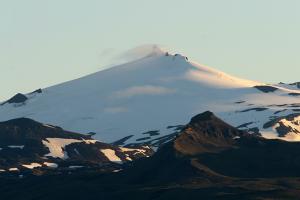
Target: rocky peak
<point>206,133</point>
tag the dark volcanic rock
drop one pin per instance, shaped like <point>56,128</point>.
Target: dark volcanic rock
<point>254,109</point>
<point>294,105</point>
<point>16,131</point>
<point>210,153</point>
<point>266,88</point>
<point>143,138</point>
<point>22,141</point>
<point>296,84</point>
<point>209,159</point>
<point>18,98</point>
<point>39,91</point>
<point>206,133</point>
<point>245,125</point>
<point>254,131</point>
<point>122,140</point>
<point>272,122</point>
<point>209,147</point>
<point>282,130</point>
<point>279,111</point>
<point>239,102</point>
<point>294,94</point>
<point>152,133</point>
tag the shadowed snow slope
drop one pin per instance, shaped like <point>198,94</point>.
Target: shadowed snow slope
<point>143,100</point>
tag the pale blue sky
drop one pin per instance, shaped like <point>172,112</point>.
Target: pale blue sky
<point>44,42</point>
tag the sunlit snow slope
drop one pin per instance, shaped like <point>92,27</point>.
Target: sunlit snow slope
<point>147,99</point>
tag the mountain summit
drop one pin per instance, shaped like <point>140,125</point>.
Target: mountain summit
<point>147,99</point>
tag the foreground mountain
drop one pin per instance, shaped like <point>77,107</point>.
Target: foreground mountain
<point>147,101</point>
<point>209,159</point>
<point>30,147</point>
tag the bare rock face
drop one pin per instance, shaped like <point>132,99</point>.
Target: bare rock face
<point>37,91</point>
<point>266,88</point>
<point>206,133</point>
<point>27,145</point>
<point>18,98</point>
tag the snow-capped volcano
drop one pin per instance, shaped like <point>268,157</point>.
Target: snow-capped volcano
<point>148,99</point>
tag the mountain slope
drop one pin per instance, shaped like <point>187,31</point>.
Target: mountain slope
<point>146,100</point>
<point>27,146</point>
<point>209,147</point>
<point>209,159</point>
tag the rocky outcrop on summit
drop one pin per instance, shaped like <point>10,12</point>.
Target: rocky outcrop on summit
<point>37,91</point>
<point>18,98</point>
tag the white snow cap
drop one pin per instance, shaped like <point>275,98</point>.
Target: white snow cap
<point>154,91</point>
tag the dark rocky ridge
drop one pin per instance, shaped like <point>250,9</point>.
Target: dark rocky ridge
<point>21,142</point>
<point>21,98</point>
<point>259,109</point>
<point>266,88</point>
<point>288,117</point>
<point>16,131</point>
<point>296,84</point>
<point>294,94</point>
<point>18,98</point>
<point>37,91</point>
<point>209,159</point>
<point>215,136</point>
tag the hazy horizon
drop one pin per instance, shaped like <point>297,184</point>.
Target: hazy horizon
<point>48,42</point>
